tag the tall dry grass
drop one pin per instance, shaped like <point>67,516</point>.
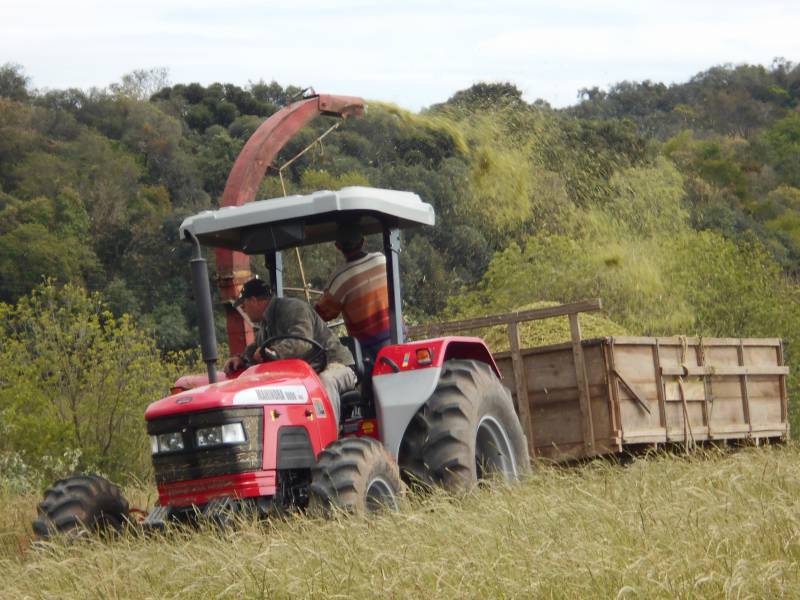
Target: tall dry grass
<point>714,525</point>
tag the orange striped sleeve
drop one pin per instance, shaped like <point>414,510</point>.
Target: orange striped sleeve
<point>327,307</point>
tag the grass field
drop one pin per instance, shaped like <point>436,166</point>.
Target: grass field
<point>713,525</point>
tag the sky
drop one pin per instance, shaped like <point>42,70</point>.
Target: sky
<point>413,53</point>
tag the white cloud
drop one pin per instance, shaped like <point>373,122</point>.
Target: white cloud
<point>649,41</point>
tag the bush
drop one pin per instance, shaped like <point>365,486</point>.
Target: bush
<point>74,382</point>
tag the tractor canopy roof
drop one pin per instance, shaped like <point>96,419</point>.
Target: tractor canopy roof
<point>270,225</point>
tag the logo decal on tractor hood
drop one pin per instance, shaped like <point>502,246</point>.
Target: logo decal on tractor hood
<point>283,394</point>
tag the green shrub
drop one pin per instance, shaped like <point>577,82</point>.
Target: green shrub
<point>74,383</point>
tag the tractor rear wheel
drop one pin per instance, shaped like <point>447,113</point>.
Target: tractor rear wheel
<point>357,475</point>
<point>81,504</point>
<point>466,432</point>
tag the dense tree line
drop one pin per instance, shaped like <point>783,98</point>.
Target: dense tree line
<point>734,132</point>
<point>93,183</point>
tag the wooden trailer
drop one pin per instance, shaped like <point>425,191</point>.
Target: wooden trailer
<point>592,397</point>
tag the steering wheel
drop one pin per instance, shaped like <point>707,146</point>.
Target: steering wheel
<point>317,351</point>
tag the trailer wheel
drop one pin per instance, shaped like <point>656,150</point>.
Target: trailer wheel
<point>79,505</point>
<point>473,433</point>
<point>357,475</point>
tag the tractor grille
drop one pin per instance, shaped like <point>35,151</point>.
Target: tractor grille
<point>195,463</point>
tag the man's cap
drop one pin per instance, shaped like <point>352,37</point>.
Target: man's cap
<point>253,288</point>
<point>349,234</point>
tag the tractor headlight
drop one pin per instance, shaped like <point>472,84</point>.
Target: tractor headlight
<point>233,433</point>
<point>230,433</point>
<point>166,442</point>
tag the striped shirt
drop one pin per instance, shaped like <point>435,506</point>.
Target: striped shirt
<point>358,290</point>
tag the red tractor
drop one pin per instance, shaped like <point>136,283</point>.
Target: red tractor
<point>432,411</point>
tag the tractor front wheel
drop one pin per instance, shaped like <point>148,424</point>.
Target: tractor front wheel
<point>357,475</point>
<point>81,504</point>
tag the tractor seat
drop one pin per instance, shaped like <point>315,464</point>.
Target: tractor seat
<point>358,401</point>
<point>354,346</point>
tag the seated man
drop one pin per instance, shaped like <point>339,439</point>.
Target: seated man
<point>358,290</point>
<point>290,316</point>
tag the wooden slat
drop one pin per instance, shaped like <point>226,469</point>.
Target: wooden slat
<point>521,387</point>
<point>708,394</point>
<point>743,428</point>
<point>612,390</point>
<point>770,431</point>
<point>647,433</point>
<point>554,347</point>
<point>700,434</point>
<point>662,403</point>
<point>724,370</point>
<point>576,450</point>
<point>693,341</point>
<point>645,436</point>
<point>506,318</point>
<point>583,385</point>
<point>784,398</point>
<point>755,341</point>
<point>745,394</point>
<point>678,400</point>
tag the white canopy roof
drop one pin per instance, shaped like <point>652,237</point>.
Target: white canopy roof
<point>267,225</point>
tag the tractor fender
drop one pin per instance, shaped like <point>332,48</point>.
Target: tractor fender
<point>411,356</point>
<point>399,396</point>
<point>405,376</point>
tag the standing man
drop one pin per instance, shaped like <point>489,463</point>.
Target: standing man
<point>358,290</point>
<point>290,316</point>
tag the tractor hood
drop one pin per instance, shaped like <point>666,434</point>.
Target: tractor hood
<point>279,383</point>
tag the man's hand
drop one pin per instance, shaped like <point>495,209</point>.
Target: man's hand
<point>233,364</point>
<point>265,354</point>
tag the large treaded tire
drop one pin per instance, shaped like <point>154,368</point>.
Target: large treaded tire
<point>466,432</point>
<point>356,475</point>
<point>79,505</point>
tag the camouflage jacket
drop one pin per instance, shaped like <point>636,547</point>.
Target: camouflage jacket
<point>290,316</point>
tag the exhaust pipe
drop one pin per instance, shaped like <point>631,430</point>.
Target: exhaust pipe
<point>202,294</point>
